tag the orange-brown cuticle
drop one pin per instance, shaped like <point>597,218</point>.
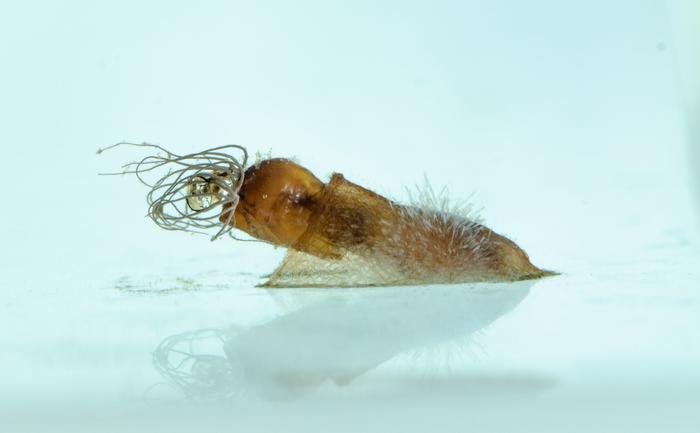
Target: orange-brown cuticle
<point>276,201</point>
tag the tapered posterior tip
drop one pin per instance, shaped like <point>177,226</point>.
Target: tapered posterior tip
<point>537,274</point>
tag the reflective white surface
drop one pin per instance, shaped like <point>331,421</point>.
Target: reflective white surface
<point>622,336</point>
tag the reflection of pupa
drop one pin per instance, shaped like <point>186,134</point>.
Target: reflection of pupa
<point>339,337</point>
<point>341,234</point>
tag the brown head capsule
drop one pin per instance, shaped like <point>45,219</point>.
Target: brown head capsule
<point>276,201</point>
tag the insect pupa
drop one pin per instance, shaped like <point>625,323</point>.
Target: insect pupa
<point>336,233</point>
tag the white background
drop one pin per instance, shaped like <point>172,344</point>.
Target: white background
<point>563,119</point>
